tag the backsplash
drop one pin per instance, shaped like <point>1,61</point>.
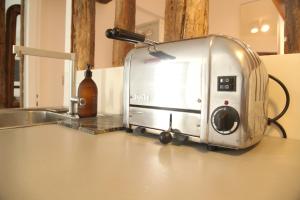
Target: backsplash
<point>110,88</point>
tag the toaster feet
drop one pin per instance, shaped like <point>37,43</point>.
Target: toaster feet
<point>211,148</point>
<point>179,138</point>
<point>140,130</point>
<point>128,130</point>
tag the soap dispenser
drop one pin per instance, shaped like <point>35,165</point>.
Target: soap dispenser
<point>88,92</point>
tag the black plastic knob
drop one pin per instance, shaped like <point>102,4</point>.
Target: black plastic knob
<point>225,120</point>
<point>165,137</point>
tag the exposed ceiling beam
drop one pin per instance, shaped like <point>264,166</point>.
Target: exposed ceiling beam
<point>124,19</point>
<point>103,1</point>
<point>83,32</point>
<point>185,19</point>
<point>292,26</point>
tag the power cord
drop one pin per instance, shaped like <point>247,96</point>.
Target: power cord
<point>287,104</point>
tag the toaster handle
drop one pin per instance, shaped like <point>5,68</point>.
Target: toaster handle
<point>123,35</point>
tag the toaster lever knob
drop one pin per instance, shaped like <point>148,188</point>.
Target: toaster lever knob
<point>225,120</point>
<point>165,137</point>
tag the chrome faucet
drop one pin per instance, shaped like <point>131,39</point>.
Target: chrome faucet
<point>73,101</point>
<point>21,50</point>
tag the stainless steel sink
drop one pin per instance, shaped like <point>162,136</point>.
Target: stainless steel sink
<point>15,118</point>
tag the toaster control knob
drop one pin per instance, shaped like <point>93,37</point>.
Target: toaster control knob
<point>225,120</point>
<point>165,137</point>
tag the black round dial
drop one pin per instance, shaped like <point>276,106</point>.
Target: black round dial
<point>225,120</point>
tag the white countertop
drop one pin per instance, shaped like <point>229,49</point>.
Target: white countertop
<point>57,163</point>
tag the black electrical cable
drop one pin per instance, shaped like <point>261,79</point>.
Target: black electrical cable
<point>281,128</point>
<point>287,104</point>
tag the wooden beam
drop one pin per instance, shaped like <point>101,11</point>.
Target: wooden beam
<point>83,32</point>
<point>2,54</point>
<point>103,1</point>
<point>125,19</point>
<point>292,26</point>
<point>185,19</point>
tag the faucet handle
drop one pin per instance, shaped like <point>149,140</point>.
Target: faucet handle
<point>73,101</point>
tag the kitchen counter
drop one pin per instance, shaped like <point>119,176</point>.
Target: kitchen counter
<point>55,162</point>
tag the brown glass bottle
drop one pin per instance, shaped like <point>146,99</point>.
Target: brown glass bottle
<point>88,91</point>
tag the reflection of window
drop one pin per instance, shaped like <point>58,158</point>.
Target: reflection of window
<point>259,25</point>
<point>152,30</point>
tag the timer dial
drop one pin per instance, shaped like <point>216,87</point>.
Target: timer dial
<point>225,120</point>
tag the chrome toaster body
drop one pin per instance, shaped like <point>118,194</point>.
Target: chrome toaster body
<point>211,80</point>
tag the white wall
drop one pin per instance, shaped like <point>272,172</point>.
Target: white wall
<point>45,29</point>
<point>32,39</point>
<point>109,82</point>
<point>225,19</point>
<point>105,17</point>
<point>52,38</point>
<point>286,68</point>
<point>68,63</point>
<point>146,11</point>
<point>255,14</point>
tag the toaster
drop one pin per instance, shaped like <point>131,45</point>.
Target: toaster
<point>211,90</point>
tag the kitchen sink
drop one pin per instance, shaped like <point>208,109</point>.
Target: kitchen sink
<point>15,118</point>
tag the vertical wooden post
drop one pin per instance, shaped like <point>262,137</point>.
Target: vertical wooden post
<point>125,19</point>
<point>83,32</point>
<point>292,26</point>
<point>2,53</point>
<point>185,19</point>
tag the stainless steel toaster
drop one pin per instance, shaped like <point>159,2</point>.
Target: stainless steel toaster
<point>211,90</point>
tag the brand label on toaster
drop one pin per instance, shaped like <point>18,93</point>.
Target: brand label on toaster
<point>140,98</point>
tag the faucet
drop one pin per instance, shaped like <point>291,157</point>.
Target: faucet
<point>73,101</point>
<point>21,50</point>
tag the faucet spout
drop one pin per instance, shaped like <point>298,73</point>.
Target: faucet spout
<point>21,50</point>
